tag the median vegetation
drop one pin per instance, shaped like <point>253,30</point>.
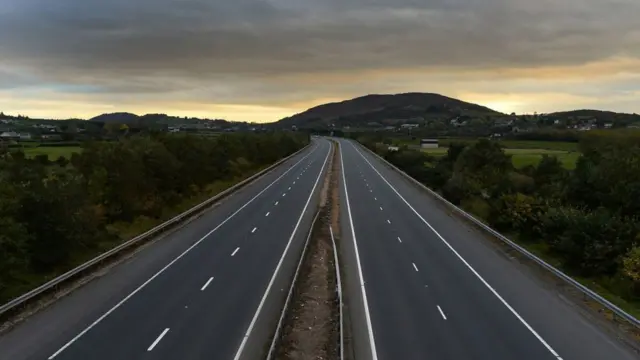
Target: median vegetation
<point>56,215</point>
<point>585,221</point>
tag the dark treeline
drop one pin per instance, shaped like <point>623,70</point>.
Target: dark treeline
<point>54,215</point>
<point>586,219</point>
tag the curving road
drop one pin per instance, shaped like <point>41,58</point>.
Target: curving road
<point>434,289</point>
<point>209,290</point>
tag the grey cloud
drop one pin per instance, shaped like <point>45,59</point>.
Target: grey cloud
<point>169,45</point>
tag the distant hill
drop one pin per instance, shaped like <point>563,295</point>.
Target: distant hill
<point>120,118</point>
<point>593,113</point>
<point>150,119</point>
<point>602,117</point>
<point>385,109</point>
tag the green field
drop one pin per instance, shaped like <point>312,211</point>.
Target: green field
<point>54,152</point>
<point>528,154</point>
<point>514,144</point>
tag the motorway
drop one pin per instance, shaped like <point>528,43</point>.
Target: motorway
<point>420,283</point>
<point>209,290</point>
<point>430,287</point>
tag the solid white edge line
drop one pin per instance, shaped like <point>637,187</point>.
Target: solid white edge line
<point>503,301</point>
<point>372,342</point>
<point>275,272</point>
<point>158,339</point>
<point>206,284</point>
<point>442,312</point>
<point>96,322</point>
<point>235,251</point>
<point>414,266</point>
<point>339,286</point>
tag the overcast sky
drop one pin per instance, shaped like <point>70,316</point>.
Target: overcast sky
<point>262,60</point>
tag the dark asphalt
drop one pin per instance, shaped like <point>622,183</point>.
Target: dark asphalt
<point>122,314</point>
<point>449,295</point>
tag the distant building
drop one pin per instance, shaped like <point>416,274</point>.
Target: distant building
<point>52,137</point>
<point>409,126</point>
<point>429,143</point>
<point>393,148</point>
<point>10,135</point>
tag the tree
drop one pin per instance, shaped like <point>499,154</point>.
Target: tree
<point>550,177</point>
<point>608,174</point>
<point>631,264</point>
<point>481,169</point>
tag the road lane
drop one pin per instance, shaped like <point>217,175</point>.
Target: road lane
<point>440,308</point>
<point>203,324</point>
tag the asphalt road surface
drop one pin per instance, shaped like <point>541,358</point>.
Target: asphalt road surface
<point>196,293</point>
<point>434,289</point>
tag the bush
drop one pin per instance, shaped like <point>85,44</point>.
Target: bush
<point>593,244</point>
<point>520,213</point>
<point>478,207</point>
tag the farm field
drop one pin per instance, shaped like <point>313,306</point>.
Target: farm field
<point>523,144</point>
<point>54,152</point>
<point>528,154</point>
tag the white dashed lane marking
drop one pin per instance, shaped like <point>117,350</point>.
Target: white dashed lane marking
<point>158,339</point>
<point>442,313</point>
<point>206,284</point>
